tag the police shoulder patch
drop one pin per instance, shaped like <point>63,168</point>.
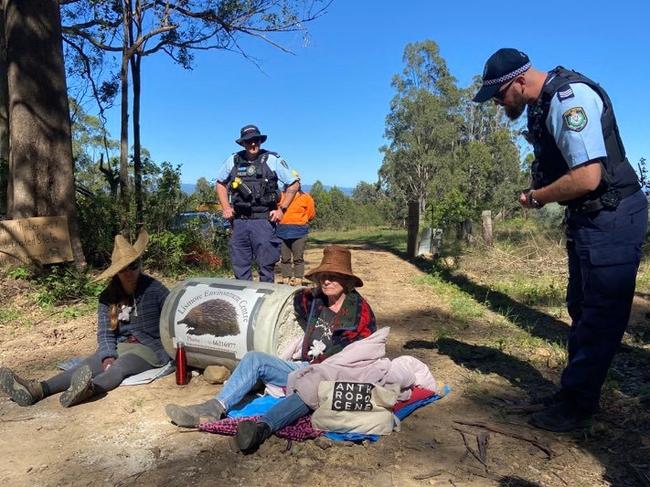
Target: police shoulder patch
<point>565,93</point>
<point>575,119</point>
<point>284,164</point>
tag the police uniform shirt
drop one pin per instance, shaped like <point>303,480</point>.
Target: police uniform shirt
<point>574,121</point>
<point>285,174</point>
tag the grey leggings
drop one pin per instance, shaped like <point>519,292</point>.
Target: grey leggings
<point>103,380</point>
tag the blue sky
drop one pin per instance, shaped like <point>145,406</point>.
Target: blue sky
<point>324,107</point>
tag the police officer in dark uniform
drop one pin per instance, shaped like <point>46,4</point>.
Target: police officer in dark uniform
<point>580,163</point>
<point>255,187</point>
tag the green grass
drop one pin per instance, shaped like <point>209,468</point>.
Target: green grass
<point>542,290</point>
<point>11,315</point>
<point>385,238</point>
<point>463,306</point>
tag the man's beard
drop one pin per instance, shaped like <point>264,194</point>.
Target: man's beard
<point>515,110</point>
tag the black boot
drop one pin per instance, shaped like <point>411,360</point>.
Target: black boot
<point>21,391</point>
<point>250,435</point>
<point>192,416</point>
<point>81,387</point>
<point>561,417</point>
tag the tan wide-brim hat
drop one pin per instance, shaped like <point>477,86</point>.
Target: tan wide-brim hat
<point>124,253</point>
<point>336,259</point>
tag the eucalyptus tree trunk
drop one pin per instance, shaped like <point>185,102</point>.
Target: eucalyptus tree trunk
<point>124,122</point>
<point>41,168</point>
<point>4,118</point>
<point>137,160</point>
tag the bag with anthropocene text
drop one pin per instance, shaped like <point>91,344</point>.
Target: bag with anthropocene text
<point>355,407</point>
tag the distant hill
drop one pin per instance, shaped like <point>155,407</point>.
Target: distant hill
<point>189,188</point>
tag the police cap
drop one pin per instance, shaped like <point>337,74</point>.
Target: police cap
<point>501,67</point>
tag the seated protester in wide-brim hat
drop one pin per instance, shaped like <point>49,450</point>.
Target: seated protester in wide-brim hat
<point>128,336</point>
<point>335,315</point>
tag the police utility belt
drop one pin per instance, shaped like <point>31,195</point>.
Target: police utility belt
<point>609,200</point>
<point>253,216</point>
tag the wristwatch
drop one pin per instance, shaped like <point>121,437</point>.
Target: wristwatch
<point>532,202</point>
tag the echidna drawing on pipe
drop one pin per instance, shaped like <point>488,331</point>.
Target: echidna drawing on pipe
<point>214,317</point>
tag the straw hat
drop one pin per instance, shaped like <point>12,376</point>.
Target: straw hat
<point>336,259</point>
<point>124,253</point>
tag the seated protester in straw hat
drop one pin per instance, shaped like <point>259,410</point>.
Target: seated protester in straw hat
<point>128,337</point>
<point>335,315</point>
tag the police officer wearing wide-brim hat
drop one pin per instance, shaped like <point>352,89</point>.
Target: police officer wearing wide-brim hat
<point>255,187</point>
<point>580,163</point>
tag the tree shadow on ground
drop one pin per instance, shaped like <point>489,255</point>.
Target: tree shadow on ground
<point>511,481</point>
<point>529,319</point>
<point>489,360</point>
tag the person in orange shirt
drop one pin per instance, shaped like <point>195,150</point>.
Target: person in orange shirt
<point>293,230</point>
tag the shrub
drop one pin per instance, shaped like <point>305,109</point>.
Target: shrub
<point>63,284</point>
<point>166,252</point>
<point>98,223</point>
<point>178,252</point>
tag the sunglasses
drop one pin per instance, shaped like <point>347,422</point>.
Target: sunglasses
<point>500,95</point>
<point>133,266</point>
<point>329,276</point>
<point>252,142</point>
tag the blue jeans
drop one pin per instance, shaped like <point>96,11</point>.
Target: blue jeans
<point>604,250</point>
<point>254,239</point>
<point>256,366</point>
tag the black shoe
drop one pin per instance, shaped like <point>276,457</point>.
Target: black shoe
<point>250,435</point>
<point>192,416</point>
<point>552,399</point>
<point>81,387</point>
<point>560,418</point>
<point>21,391</point>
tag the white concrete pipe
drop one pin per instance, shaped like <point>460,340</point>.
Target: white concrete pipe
<point>219,320</point>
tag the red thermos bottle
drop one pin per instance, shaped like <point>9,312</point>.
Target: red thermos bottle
<point>181,365</point>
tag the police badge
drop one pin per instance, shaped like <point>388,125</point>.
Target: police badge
<point>575,119</point>
<point>250,170</point>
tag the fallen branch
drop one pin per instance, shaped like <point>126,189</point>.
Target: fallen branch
<point>469,448</point>
<point>482,440</point>
<point>28,418</point>
<point>495,429</point>
<point>559,477</point>
<point>425,476</point>
<point>134,477</point>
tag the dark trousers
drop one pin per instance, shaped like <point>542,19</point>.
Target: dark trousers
<point>103,380</point>
<point>293,249</point>
<point>604,251</point>
<point>254,239</point>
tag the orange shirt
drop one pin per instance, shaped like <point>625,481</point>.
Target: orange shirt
<point>301,210</point>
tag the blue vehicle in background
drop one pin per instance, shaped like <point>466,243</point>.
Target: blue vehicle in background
<point>206,222</point>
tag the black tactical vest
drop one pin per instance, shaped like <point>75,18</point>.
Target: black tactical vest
<point>618,176</point>
<point>257,190</point>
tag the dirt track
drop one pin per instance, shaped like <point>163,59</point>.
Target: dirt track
<point>126,439</point>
